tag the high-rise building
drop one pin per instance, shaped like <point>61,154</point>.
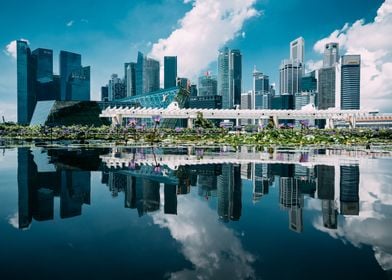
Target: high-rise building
<point>147,74</point>
<point>193,90</point>
<point>105,93</point>
<point>170,71</point>
<point>290,76</point>
<point>207,85</point>
<point>309,82</point>
<point>331,54</point>
<point>297,50</point>
<point>326,96</point>
<point>229,77</point>
<point>69,62</point>
<point>350,82</point>
<point>261,89</point>
<point>46,84</point>
<point>246,100</point>
<point>349,189</point>
<point>26,98</point>
<point>131,79</point>
<point>116,88</point>
<point>79,84</point>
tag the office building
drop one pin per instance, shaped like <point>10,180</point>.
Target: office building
<point>331,55</point>
<point>116,88</point>
<point>261,89</point>
<point>229,77</point>
<point>206,102</point>
<point>309,82</point>
<point>105,93</point>
<point>349,190</point>
<point>25,97</point>
<point>290,76</point>
<point>78,84</point>
<point>69,62</point>
<point>147,74</point>
<point>297,50</point>
<point>207,85</point>
<point>350,82</point>
<point>131,79</point>
<point>193,90</point>
<point>170,71</point>
<point>246,100</point>
<point>326,96</point>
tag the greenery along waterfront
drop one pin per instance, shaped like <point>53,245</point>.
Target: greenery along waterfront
<point>202,136</point>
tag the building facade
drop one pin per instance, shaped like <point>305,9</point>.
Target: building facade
<point>290,76</point>
<point>147,74</point>
<point>350,82</point>
<point>331,54</point>
<point>207,85</point>
<point>230,77</point>
<point>170,71</point>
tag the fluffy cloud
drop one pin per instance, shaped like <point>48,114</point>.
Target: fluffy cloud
<point>202,31</point>
<point>69,23</point>
<point>10,49</point>
<point>373,42</point>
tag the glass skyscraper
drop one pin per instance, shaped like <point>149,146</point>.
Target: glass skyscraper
<point>350,82</point>
<point>261,90</point>
<point>147,74</point>
<point>229,77</point>
<point>170,71</point>
<point>290,76</point>
<point>326,88</point>
<point>297,50</point>
<point>69,62</point>
<point>131,79</point>
<point>207,85</point>
<point>79,84</point>
<point>26,98</point>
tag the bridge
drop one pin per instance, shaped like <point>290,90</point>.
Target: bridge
<point>117,114</point>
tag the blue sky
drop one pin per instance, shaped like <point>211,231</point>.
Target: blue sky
<point>109,34</point>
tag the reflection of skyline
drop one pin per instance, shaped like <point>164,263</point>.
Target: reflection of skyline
<point>37,190</point>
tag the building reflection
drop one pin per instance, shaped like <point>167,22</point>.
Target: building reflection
<point>38,186</point>
<point>147,188</point>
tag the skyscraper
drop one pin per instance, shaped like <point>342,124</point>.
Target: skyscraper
<point>262,97</point>
<point>131,79</point>
<point>297,50</point>
<point>147,74</point>
<point>309,82</point>
<point>229,77</point>
<point>69,62</point>
<point>350,82</point>
<point>290,76</point>
<point>331,54</point>
<point>26,99</point>
<point>207,85</point>
<point>78,84</point>
<point>116,88</point>
<point>170,71</point>
<point>326,95</point>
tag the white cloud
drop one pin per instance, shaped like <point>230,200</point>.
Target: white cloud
<point>10,49</point>
<point>202,31</point>
<point>70,23</point>
<point>373,42</point>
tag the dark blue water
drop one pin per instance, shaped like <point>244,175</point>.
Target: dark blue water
<point>185,213</point>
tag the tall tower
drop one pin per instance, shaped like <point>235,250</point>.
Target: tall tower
<point>229,77</point>
<point>26,97</point>
<point>331,54</point>
<point>131,79</point>
<point>290,76</point>
<point>350,82</point>
<point>297,50</point>
<point>170,71</point>
<point>261,88</point>
<point>69,62</point>
<point>147,74</point>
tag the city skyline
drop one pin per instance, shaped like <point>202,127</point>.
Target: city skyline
<point>241,37</point>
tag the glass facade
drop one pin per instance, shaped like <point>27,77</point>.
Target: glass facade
<point>331,54</point>
<point>309,82</point>
<point>170,71</point>
<point>207,85</point>
<point>131,79</point>
<point>26,97</point>
<point>224,78</point>
<point>326,88</point>
<point>236,75</point>
<point>350,82</point>
<point>69,62</point>
<point>79,84</point>
<point>147,74</point>
<point>206,102</point>
<point>290,77</point>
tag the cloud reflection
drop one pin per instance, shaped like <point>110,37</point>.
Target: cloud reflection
<point>214,250</point>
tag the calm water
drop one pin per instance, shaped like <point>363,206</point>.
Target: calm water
<point>184,214</point>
